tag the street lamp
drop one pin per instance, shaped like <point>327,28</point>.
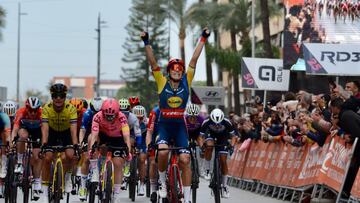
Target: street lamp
<point>18,54</point>
<point>98,30</point>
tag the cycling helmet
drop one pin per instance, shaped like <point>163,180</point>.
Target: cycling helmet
<point>85,103</point>
<point>110,109</point>
<point>124,104</point>
<point>139,111</point>
<point>217,115</point>
<point>172,62</point>
<point>33,103</point>
<point>78,103</point>
<point>134,100</point>
<point>10,108</point>
<point>95,104</point>
<point>193,110</point>
<point>58,88</point>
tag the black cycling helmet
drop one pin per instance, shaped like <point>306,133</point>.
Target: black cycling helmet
<point>58,88</point>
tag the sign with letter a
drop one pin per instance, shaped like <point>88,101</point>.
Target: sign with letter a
<point>264,74</point>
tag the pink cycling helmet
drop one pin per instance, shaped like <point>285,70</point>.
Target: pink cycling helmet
<point>110,108</point>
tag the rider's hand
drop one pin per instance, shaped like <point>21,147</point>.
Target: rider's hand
<point>145,38</point>
<point>129,157</point>
<point>77,150</point>
<point>42,150</point>
<point>205,33</point>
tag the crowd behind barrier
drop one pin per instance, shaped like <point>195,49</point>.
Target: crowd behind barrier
<point>301,140</point>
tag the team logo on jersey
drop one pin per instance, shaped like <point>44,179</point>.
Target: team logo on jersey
<point>174,102</point>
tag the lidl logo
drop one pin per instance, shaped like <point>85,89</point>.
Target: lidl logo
<point>174,102</point>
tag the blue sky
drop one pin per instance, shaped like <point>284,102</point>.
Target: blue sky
<point>58,39</point>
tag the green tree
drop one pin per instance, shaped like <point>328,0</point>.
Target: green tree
<point>2,20</point>
<point>148,15</point>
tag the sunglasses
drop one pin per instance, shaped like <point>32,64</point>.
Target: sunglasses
<point>33,111</point>
<point>177,68</point>
<point>110,117</point>
<point>56,95</point>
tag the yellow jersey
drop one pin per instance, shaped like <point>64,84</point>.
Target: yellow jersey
<point>59,121</point>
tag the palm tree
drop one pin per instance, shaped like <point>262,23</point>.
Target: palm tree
<point>2,19</point>
<point>177,15</point>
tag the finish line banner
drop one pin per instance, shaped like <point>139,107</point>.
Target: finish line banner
<point>332,59</point>
<point>264,74</point>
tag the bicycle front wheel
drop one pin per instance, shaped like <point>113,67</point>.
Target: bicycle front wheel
<point>10,181</point>
<point>58,183</point>
<point>26,178</point>
<point>108,183</point>
<point>215,182</point>
<point>133,178</point>
<point>195,177</point>
<point>148,177</point>
<point>92,192</point>
<point>174,185</point>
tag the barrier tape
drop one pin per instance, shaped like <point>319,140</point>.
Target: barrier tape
<point>285,165</point>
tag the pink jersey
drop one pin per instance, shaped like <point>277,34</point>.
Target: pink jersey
<point>114,128</point>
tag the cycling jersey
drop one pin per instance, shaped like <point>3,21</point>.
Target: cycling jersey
<point>173,101</point>
<point>59,121</point>
<point>143,127</point>
<point>193,125</point>
<point>80,118</point>
<point>153,122</point>
<point>86,122</point>
<point>221,132</point>
<point>4,122</point>
<point>24,119</point>
<point>114,128</point>
<point>133,123</point>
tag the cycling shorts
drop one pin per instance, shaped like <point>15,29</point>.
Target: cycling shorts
<point>219,141</point>
<point>177,133</point>
<point>115,142</point>
<point>34,135</point>
<point>59,138</point>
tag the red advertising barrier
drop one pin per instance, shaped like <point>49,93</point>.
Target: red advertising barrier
<point>285,165</point>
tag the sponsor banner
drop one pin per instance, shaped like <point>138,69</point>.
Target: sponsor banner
<point>332,59</point>
<point>264,74</point>
<point>286,165</point>
<point>208,95</point>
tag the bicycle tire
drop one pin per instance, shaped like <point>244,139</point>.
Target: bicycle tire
<point>10,182</point>
<point>195,177</point>
<point>58,183</point>
<point>216,180</point>
<point>174,190</point>
<point>26,178</point>
<point>133,178</point>
<point>148,177</point>
<point>108,183</point>
<point>92,192</point>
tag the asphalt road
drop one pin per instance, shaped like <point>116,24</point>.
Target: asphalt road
<point>236,196</point>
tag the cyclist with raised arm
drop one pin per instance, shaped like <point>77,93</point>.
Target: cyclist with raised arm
<point>173,94</point>
<point>109,127</point>
<point>152,134</point>
<point>140,113</point>
<point>59,128</point>
<point>28,123</point>
<point>85,130</point>
<point>219,128</point>
<point>135,132</point>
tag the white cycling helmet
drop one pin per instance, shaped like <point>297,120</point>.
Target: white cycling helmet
<point>193,110</point>
<point>33,103</point>
<point>217,115</point>
<point>124,104</point>
<point>139,111</point>
<point>96,103</point>
<point>10,108</point>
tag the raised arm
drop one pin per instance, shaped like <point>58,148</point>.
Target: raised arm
<point>204,35</point>
<point>149,52</point>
